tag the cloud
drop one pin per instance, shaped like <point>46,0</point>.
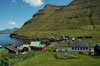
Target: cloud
<point>34,3</point>
<point>14,1</point>
<point>12,23</point>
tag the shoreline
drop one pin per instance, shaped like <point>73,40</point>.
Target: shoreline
<point>19,37</point>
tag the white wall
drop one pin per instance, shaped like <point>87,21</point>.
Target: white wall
<point>70,49</point>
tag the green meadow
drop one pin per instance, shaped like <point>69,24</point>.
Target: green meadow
<point>48,59</point>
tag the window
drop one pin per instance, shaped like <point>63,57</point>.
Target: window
<point>78,48</point>
<point>83,48</point>
<point>72,48</point>
<point>86,48</point>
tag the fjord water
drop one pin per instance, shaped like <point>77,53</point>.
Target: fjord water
<point>5,39</point>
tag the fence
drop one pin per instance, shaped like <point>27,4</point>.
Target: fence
<point>14,60</point>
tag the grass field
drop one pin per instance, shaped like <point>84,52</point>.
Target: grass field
<point>85,30</point>
<point>48,59</point>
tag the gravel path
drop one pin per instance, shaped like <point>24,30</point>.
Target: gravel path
<point>54,44</point>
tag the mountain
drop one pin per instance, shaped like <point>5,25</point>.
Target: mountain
<point>76,15</point>
<point>9,31</point>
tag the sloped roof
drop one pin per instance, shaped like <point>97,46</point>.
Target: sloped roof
<point>80,44</point>
<point>99,44</point>
<point>35,44</point>
<point>12,48</point>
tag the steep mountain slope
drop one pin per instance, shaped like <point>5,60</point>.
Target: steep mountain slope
<point>73,16</point>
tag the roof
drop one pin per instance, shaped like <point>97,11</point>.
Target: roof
<point>80,44</point>
<point>57,39</point>
<point>35,44</point>
<point>20,48</point>
<point>12,48</point>
<point>25,45</point>
<point>98,44</point>
<point>41,45</point>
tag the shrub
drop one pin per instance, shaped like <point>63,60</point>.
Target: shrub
<point>65,56</point>
<point>81,53</point>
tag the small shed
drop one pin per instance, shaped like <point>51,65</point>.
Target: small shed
<point>37,45</point>
<point>79,46</point>
<point>97,50</point>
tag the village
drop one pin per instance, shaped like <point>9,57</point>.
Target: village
<point>73,45</point>
<point>50,33</point>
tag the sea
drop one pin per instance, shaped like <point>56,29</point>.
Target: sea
<point>5,39</point>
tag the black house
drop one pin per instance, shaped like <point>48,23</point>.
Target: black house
<point>97,50</point>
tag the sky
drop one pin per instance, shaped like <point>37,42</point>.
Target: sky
<point>14,13</point>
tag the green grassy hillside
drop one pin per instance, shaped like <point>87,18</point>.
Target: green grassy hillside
<point>78,15</point>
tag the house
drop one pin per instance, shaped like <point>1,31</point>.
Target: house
<point>97,50</point>
<point>24,48</point>
<point>79,46</point>
<point>88,37</point>
<point>79,36</point>
<point>37,46</point>
<point>16,49</point>
<point>12,49</point>
<point>51,38</point>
